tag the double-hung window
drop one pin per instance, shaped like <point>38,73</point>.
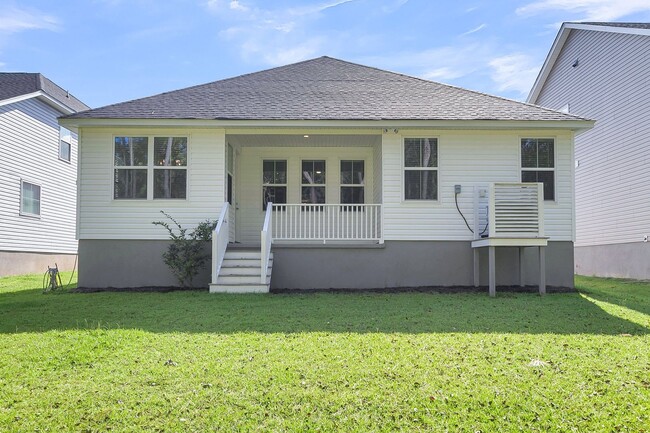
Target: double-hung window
<point>137,165</point>
<point>274,182</point>
<point>538,163</point>
<point>65,144</point>
<point>170,170</point>
<point>313,182</point>
<point>30,199</point>
<point>352,182</point>
<point>421,169</point>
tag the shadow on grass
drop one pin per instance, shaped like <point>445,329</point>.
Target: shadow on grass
<point>201,312</point>
<point>632,294</point>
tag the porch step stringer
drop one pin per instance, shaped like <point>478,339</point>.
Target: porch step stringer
<point>240,273</point>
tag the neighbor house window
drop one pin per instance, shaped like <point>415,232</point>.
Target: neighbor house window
<point>313,182</point>
<point>420,168</point>
<point>352,182</point>
<point>30,198</point>
<point>130,159</point>
<point>65,144</point>
<point>538,163</point>
<point>274,182</point>
<point>170,169</point>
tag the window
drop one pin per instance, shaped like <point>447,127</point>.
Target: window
<point>538,163</point>
<point>170,171</point>
<point>65,144</point>
<point>130,172</point>
<point>352,182</point>
<point>138,165</point>
<point>313,182</point>
<point>421,169</point>
<point>274,182</point>
<point>30,198</point>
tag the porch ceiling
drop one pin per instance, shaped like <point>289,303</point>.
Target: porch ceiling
<point>299,140</point>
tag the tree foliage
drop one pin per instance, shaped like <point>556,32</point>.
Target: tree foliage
<point>186,253</point>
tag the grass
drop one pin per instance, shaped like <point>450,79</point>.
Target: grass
<point>191,361</point>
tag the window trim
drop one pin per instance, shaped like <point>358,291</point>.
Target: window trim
<point>69,143</point>
<point>40,200</point>
<point>404,168</point>
<point>151,167</point>
<point>285,185</point>
<point>314,185</point>
<point>553,169</point>
<point>352,185</point>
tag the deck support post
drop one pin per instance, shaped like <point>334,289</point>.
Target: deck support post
<point>476,268</point>
<point>542,270</point>
<point>521,266</point>
<point>492,270</point>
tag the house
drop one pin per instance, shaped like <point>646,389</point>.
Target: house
<point>38,175</point>
<point>602,71</point>
<point>338,175</point>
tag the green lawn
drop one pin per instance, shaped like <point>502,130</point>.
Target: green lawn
<point>191,361</point>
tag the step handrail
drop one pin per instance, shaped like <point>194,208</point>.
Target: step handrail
<point>220,238</point>
<point>267,241</point>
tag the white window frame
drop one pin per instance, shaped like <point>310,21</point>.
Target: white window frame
<point>151,167</point>
<point>286,177</point>
<point>315,185</point>
<point>40,199</point>
<point>404,169</point>
<point>67,139</point>
<point>553,169</point>
<point>353,185</point>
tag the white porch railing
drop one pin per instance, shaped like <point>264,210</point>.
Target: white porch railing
<point>509,210</point>
<point>327,222</point>
<point>267,241</point>
<point>220,237</point>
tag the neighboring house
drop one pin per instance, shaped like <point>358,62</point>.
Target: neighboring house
<point>361,166</point>
<point>38,175</point>
<point>602,71</point>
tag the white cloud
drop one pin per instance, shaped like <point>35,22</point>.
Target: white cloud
<point>237,6</point>
<point>14,20</point>
<point>474,30</point>
<point>514,72</point>
<point>591,10</point>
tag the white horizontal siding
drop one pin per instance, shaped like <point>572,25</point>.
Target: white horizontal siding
<point>249,195</point>
<point>611,84</point>
<point>29,144</point>
<point>102,217</point>
<point>469,159</point>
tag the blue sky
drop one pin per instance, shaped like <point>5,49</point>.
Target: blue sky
<point>107,51</point>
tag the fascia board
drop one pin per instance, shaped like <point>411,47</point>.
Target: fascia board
<point>575,125</point>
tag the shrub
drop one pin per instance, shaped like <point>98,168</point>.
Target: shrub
<point>186,254</point>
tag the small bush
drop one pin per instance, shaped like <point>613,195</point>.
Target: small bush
<point>185,255</point>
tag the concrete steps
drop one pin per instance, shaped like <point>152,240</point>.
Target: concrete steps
<point>240,273</point>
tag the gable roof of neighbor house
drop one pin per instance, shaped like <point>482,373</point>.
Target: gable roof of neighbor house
<point>324,89</point>
<point>22,84</point>
<point>642,29</point>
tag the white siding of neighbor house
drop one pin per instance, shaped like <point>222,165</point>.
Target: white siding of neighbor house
<point>102,217</point>
<point>611,84</point>
<point>469,159</point>
<point>250,211</point>
<point>29,145</point>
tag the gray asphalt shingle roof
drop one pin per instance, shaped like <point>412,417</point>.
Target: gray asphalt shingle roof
<point>13,84</point>
<point>324,89</point>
